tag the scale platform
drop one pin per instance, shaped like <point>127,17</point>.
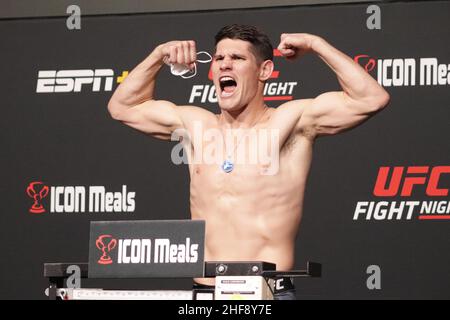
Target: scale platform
<point>242,280</point>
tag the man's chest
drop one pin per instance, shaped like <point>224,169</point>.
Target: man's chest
<point>251,149</point>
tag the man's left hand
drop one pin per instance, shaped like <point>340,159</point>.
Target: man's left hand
<point>295,45</point>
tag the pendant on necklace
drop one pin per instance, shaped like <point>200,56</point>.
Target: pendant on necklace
<point>227,166</point>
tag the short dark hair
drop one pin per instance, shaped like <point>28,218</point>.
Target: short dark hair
<point>261,46</point>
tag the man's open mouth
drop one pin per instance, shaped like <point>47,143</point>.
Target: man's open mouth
<point>227,86</point>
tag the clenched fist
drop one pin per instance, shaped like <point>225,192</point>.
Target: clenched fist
<point>295,45</point>
<point>178,52</point>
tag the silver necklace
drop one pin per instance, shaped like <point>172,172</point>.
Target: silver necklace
<point>228,165</point>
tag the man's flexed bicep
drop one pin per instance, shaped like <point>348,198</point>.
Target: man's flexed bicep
<point>337,111</point>
<point>133,102</point>
<point>157,118</point>
<point>334,112</point>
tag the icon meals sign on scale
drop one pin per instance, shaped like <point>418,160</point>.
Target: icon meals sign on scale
<point>139,249</point>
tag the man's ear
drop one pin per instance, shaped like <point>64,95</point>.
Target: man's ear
<point>265,70</point>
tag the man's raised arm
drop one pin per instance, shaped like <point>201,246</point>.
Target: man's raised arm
<point>333,112</point>
<point>133,101</point>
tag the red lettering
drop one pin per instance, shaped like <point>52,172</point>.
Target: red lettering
<point>380,189</point>
<point>432,188</point>
<point>411,181</point>
<point>370,63</point>
<point>385,187</point>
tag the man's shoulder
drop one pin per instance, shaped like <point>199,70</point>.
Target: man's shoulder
<point>191,113</point>
<point>288,115</point>
<point>295,106</point>
<point>289,112</point>
<point>196,109</point>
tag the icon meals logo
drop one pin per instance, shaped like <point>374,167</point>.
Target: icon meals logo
<point>139,251</point>
<point>400,72</point>
<point>37,190</point>
<point>68,199</point>
<point>105,243</point>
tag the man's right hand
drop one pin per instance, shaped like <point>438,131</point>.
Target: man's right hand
<point>181,52</point>
<point>133,102</point>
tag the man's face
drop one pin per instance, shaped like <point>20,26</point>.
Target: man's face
<point>235,71</point>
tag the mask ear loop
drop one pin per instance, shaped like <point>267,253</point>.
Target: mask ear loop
<point>183,72</point>
<point>209,59</point>
<point>204,61</point>
<point>192,75</point>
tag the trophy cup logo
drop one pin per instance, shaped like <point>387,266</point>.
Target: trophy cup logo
<point>37,190</point>
<point>105,243</point>
<point>365,61</point>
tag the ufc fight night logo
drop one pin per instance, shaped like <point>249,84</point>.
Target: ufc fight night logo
<point>405,183</point>
<point>273,90</point>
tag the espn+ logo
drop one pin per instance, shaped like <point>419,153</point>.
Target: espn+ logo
<point>53,81</point>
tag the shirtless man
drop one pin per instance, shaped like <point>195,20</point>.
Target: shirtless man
<point>249,215</point>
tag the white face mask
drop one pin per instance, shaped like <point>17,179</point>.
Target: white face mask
<point>182,69</point>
